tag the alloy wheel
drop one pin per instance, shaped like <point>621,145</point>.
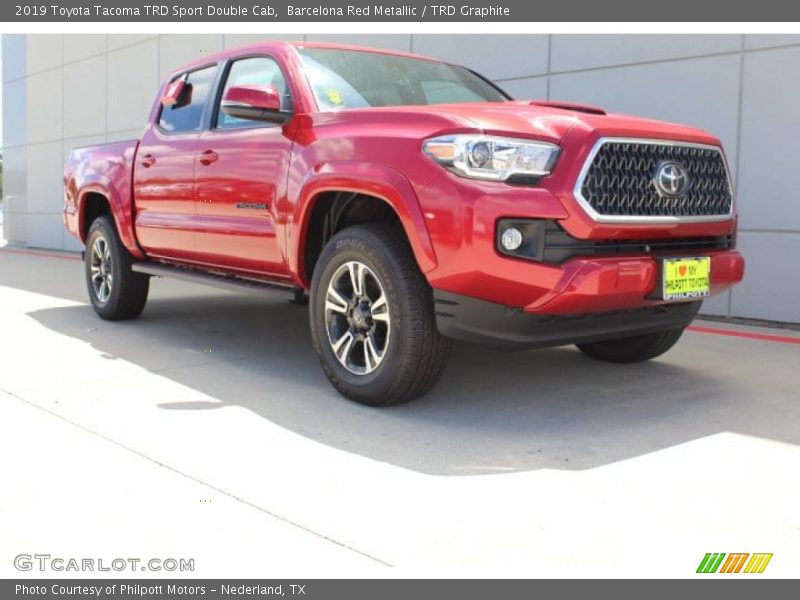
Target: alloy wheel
<point>101,269</point>
<point>357,318</point>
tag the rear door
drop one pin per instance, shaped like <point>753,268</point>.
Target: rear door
<point>241,172</point>
<point>164,172</point>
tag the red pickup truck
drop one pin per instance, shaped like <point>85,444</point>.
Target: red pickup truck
<point>414,202</point>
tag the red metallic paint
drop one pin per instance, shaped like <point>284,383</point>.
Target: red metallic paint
<point>164,194</point>
<point>249,168</point>
<point>104,170</point>
<point>184,202</point>
<point>256,96</point>
<point>375,180</point>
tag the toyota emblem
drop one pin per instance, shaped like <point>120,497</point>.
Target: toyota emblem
<point>671,179</point>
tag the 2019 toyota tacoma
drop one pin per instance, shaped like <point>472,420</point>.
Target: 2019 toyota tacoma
<point>416,203</point>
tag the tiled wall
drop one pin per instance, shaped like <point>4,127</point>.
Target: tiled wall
<point>65,91</point>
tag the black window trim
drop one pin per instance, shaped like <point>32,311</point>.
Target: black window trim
<point>203,116</point>
<point>485,79</point>
<point>222,79</point>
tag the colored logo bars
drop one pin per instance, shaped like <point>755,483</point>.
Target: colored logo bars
<point>713,562</point>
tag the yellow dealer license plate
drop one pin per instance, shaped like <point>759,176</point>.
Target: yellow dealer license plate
<point>686,278</point>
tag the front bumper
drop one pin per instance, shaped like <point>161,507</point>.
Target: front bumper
<point>580,285</point>
<point>505,328</point>
<point>602,284</point>
<point>463,234</point>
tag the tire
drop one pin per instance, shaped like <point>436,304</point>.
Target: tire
<point>409,352</point>
<point>637,348</point>
<point>115,290</point>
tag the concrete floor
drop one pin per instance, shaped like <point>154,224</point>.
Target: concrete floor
<point>206,429</point>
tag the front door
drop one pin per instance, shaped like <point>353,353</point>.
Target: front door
<point>241,172</point>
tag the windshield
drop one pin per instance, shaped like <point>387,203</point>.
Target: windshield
<point>342,79</point>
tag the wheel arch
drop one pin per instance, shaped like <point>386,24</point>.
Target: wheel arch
<point>93,205</point>
<point>355,193</point>
<point>97,200</point>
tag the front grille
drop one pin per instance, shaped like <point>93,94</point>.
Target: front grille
<point>619,180</point>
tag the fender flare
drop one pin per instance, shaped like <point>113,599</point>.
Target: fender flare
<point>119,212</point>
<point>379,181</point>
<point>115,183</point>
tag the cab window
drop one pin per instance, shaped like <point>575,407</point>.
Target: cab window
<point>187,114</point>
<point>259,70</point>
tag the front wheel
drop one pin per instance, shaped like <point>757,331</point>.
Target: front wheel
<point>116,291</point>
<point>372,318</point>
<point>633,349</point>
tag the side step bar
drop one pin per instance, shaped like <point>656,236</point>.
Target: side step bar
<point>231,283</point>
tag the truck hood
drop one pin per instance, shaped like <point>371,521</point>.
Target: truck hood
<point>554,123</point>
<point>550,123</point>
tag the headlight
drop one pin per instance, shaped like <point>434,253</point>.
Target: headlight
<point>490,157</point>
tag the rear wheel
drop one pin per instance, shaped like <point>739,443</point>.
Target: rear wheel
<point>372,318</point>
<point>115,290</point>
<point>633,349</point>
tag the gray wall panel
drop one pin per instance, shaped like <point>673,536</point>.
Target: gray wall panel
<point>765,40</point>
<point>666,90</point>
<point>770,152</point>
<point>15,109</point>
<point>527,88</point>
<point>13,56</point>
<point>771,287</point>
<point>501,57</point>
<point>399,42</point>
<point>582,52</point>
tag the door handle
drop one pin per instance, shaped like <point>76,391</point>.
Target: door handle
<point>208,157</point>
<point>148,160</point>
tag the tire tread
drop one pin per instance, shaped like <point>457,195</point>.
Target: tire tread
<point>421,369</point>
<point>130,296</point>
<point>633,349</point>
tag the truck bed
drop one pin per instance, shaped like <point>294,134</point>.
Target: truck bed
<point>102,167</point>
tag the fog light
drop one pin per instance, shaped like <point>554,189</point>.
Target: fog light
<point>511,239</point>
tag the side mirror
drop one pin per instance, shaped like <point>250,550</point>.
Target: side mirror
<point>254,103</point>
<point>173,92</point>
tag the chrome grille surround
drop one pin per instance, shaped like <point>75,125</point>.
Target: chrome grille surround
<point>709,196</point>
